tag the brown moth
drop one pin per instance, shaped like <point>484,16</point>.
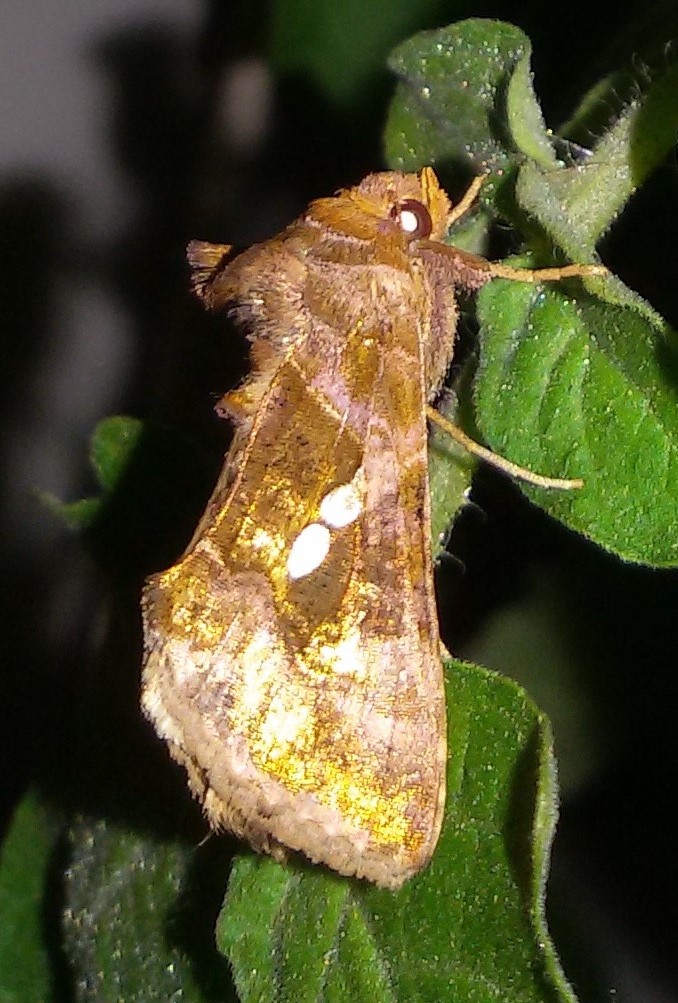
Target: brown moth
<point>292,657</point>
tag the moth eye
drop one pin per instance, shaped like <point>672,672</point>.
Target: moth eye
<point>413,217</point>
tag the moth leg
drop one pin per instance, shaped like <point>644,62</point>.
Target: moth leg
<point>555,274</point>
<point>499,462</point>
<point>499,271</point>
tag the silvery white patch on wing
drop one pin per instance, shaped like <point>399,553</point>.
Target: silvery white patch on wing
<point>308,551</point>
<point>341,506</point>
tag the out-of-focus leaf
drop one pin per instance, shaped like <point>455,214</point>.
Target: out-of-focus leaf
<point>24,858</point>
<point>124,931</point>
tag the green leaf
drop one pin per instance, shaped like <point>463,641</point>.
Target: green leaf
<point>470,927</point>
<point>450,470</point>
<point>24,859</point>
<point>577,206</point>
<point>77,514</point>
<point>112,443</point>
<point>124,932</point>
<point>465,93</point>
<point>582,388</point>
<point>524,115</point>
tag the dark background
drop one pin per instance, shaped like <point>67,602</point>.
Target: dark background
<point>130,126</point>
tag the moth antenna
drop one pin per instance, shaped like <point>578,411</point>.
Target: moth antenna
<point>500,462</point>
<point>467,200</point>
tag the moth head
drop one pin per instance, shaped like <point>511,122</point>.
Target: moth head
<point>389,203</point>
<point>415,203</point>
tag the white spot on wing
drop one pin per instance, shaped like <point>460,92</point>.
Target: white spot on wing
<point>308,551</point>
<point>341,506</point>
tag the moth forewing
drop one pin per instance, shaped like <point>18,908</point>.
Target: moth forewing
<point>308,707</point>
<point>292,655</point>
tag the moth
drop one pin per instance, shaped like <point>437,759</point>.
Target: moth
<point>292,656</point>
